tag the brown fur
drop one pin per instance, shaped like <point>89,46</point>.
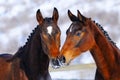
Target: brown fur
<point>84,34</point>
<point>11,70</point>
<point>31,61</point>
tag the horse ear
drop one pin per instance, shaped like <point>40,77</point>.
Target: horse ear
<point>55,15</point>
<point>71,16</point>
<point>39,17</point>
<point>80,16</point>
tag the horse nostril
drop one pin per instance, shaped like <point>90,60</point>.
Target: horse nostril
<point>62,59</point>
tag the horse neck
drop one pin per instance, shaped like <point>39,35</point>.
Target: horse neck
<point>34,58</point>
<point>104,52</point>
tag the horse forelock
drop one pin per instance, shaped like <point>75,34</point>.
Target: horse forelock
<point>48,20</point>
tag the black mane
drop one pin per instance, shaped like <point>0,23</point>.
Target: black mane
<point>21,49</point>
<point>105,33</point>
<point>31,35</point>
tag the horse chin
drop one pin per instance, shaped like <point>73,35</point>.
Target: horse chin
<point>55,63</point>
<point>67,63</point>
<point>55,66</point>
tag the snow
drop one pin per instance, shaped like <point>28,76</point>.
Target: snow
<point>12,11</point>
<point>74,75</point>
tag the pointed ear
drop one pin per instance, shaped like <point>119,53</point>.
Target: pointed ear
<point>55,15</point>
<point>39,17</point>
<point>80,16</point>
<point>71,16</point>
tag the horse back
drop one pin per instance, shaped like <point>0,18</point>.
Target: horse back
<point>10,69</point>
<point>5,67</point>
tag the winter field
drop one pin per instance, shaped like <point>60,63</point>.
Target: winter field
<point>17,20</point>
<point>74,72</point>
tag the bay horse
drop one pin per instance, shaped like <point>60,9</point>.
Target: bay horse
<point>31,61</point>
<point>85,34</point>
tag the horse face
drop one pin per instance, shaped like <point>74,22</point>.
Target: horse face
<point>78,40</point>
<point>50,34</point>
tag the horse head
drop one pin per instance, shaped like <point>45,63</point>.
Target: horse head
<point>79,38</point>
<point>50,35</point>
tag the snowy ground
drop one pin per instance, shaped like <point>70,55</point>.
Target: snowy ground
<point>74,72</point>
<point>17,20</point>
<point>73,75</point>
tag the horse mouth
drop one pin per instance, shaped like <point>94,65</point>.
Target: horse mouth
<point>59,62</point>
<point>56,63</point>
<point>65,61</point>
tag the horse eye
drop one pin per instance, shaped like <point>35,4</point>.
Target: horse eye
<point>78,33</point>
<point>54,32</point>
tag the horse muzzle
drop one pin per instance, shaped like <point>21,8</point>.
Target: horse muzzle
<point>56,63</point>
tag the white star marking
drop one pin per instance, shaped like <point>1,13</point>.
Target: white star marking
<point>49,29</point>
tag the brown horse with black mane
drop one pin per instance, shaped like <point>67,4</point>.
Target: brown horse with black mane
<point>31,61</point>
<point>84,34</point>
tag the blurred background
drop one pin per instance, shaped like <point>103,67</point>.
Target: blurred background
<point>18,19</point>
